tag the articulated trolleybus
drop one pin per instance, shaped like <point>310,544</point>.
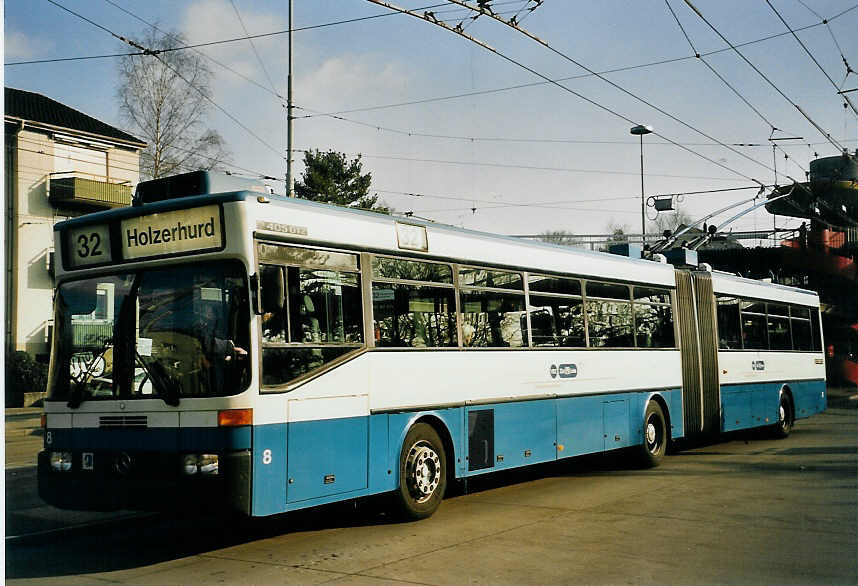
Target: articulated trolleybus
<point>217,342</point>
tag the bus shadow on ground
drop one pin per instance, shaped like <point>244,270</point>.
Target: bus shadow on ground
<point>138,543</point>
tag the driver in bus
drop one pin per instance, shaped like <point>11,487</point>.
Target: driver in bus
<point>219,354</point>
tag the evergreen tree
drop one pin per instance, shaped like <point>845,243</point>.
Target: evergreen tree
<point>329,177</point>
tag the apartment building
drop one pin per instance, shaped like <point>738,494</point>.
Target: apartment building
<point>59,163</point>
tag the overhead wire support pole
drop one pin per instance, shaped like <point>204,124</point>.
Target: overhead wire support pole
<point>290,178</point>
<point>432,19</point>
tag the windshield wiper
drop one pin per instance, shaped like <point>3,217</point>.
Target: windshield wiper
<point>169,389</point>
<point>79,384</point>
<point>78,394</point>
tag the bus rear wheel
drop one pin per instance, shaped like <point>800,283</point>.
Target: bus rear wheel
<point>422,473</point>
<point>786,418</point>
<point>654,444</point>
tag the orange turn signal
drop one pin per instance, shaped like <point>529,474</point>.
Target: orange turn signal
<point>234,417</point>
<point>44,421</point>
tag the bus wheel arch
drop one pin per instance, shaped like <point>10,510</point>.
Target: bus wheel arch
<point>656,432</point>
<point>424,465</point>
<point>786,413</point>
<point>666,412</point>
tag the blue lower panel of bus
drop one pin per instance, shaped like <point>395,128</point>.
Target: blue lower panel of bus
<point>756,405</point>
<point>308,463</point>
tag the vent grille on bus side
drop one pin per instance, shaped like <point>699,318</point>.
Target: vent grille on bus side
<point>123,421</point>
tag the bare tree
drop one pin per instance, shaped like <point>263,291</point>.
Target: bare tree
<point>560,237</point>
<point>618,233</point>
<point>165,98</point>
<point>670,221</point>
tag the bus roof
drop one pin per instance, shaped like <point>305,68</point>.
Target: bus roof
<point>336,226</point>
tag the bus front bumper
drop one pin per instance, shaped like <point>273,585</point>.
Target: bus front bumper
<point>107,481</point>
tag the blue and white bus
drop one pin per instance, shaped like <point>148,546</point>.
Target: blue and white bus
<point>215,342</point>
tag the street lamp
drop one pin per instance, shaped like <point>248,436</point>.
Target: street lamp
<point>640,130</point>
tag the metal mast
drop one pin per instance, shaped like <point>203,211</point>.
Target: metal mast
<point>290,178</point>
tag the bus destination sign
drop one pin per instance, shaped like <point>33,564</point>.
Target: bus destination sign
<point>171,232</point>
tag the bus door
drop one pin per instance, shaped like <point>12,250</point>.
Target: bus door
<point>698,342</point>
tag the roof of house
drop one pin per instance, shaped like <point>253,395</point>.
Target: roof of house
<point>37,108</point>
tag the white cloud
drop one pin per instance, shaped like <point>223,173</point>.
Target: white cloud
<point>20,46</point>
<point>209,20</point>
<point>354,79</point>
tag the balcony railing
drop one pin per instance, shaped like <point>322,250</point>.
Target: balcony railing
<point>89,191</point>
<point>91,335</point>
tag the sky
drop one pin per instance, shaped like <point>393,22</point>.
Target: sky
<point>493,145</point>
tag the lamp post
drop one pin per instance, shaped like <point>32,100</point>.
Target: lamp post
<point>640,130</point>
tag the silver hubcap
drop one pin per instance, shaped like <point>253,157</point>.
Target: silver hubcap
<point>423,471</point>
<point>650,433</point>
<point>782,414</point>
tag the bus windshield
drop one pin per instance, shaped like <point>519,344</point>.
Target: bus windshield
<point>165,333</point>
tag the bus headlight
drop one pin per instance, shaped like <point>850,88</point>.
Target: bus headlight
<point>61,461</point>
<point>205,464</point>
<point>208,464</point>
<point>189,464</point>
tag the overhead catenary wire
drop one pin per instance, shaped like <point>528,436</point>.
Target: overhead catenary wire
<point>809,54</point>
<point>253,46</point>
<point>202,54</point>
<point>728,84</point>
<point>507,139</point>
<point>620,88</point>
<point>561,86</point>
<point>149,52</point>
<point>557,204</point>
<point>774,86</point>
<point>528,167</point>
<point>569,78</point>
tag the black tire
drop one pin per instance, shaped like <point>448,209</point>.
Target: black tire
<point>654,444</point>
<point>786,417</point>
<point>422,473</point>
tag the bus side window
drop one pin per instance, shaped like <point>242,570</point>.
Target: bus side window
<point>557,321</point>
<point>492,319</point>
<point>272,300</point>
<point>556,312</point>
<point>610,318</point>
<point>414,316</point>
<point>653,318</point>
<point>814,325</point>
<point>754,325</point>
<point>802,338</point>
<point>729,333</point>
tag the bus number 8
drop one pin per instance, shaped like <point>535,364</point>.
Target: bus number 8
<point>89,246</point>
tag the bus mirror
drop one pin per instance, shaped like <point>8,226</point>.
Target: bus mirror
<point>273,288</point>
<point>81,298</point>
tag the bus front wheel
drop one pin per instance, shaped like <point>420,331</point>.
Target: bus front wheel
<point>654,444</point>
<point>422,472</point>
